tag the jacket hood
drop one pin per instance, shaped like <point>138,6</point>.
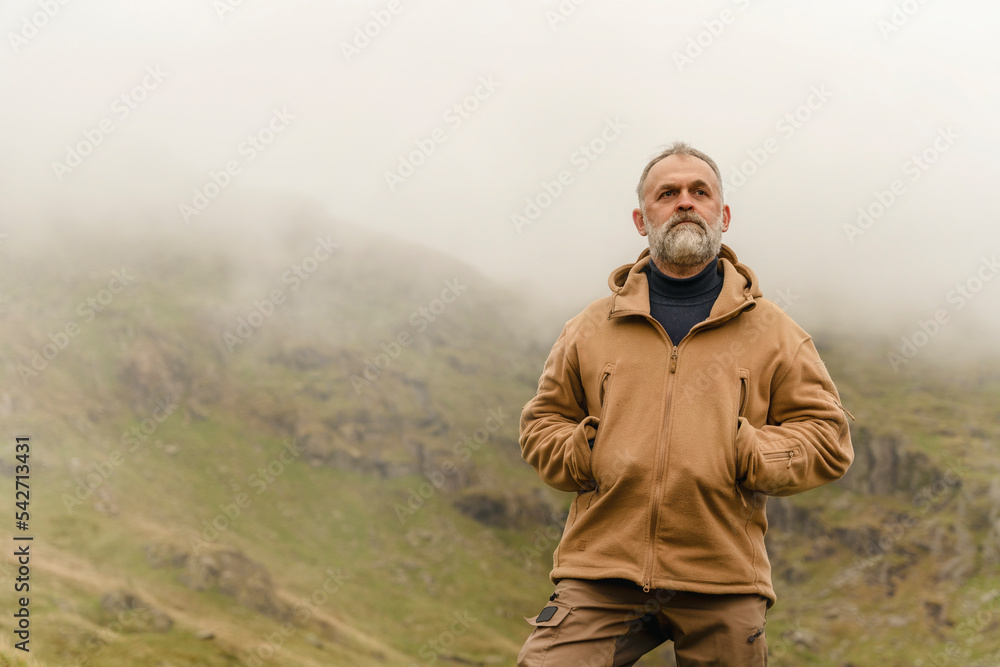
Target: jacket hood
<point>630,289</point>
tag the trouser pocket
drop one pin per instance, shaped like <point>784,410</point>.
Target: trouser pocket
<point>591,624</point>
<point>546,631</point>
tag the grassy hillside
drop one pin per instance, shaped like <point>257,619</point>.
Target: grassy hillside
<point>301,449</point>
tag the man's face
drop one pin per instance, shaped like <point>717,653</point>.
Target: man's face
<point>684,216</point>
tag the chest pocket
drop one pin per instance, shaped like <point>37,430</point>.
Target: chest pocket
<point>603,394</point>
<point>744,404</point>
<point>606,377</point>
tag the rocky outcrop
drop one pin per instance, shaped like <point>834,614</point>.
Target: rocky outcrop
<point>155,369</point>
<point>133,614</point>
<point>991,543</point>
<point>226,570</point>
<point>884,464</point>
<point>785,516</point>
<point>504,509</point>
<point>302,358</point>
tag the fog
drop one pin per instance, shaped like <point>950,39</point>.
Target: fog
<point>856,139</point>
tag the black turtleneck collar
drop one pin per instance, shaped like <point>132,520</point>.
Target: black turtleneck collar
<point>707,281</point>
<point>680,303</point>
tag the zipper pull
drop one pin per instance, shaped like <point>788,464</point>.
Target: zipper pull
<point>645,587</point>
<point>847,412</point>
<point>673,360</point>
<point>791,453</point>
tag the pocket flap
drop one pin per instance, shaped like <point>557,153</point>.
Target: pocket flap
<point>549,617</point>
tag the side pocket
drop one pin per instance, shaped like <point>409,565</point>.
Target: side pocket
<point>546,631</point>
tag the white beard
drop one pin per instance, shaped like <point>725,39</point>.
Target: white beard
<point>684,245</point>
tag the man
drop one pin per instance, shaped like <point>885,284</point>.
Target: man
<point>673,408</point>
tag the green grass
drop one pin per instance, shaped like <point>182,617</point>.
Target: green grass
<point>403,581</point>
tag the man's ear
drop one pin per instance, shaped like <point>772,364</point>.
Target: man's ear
<point>726,216</point>
<point>640,224</point>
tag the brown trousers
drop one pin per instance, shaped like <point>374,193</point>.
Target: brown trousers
<point>613,623</point>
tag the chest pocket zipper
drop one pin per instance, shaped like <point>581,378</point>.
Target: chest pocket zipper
<point>744,392</point>
<point>604,393</point>
<point>606,384</point>
<point>605,389</point>
<point>744,400</point>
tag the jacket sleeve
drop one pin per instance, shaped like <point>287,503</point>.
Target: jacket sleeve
<point>555,426</point>
<point>806,442</point>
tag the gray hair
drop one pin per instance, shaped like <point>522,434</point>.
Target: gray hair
<point>678,148</point>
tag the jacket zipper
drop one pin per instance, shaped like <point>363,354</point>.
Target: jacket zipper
<point>647,579</point>
<point>651,555</point>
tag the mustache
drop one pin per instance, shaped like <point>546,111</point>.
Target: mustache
<point>686,216</point>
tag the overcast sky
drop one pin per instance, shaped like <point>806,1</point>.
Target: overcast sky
<point>812,110</point>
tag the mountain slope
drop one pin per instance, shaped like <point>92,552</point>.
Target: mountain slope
<point>301,449</point>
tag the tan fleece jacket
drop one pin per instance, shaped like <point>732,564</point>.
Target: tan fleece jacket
<point>690,437</point>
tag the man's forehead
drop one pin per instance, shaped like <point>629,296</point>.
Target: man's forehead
<point>679,169</point>
<point>682,167</point>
